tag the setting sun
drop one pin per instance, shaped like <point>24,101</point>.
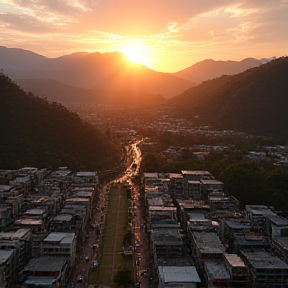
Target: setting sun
<point>136,54</point>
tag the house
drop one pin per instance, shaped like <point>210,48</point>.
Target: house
<point>8,268</point>
<point>46,271</point>
<point>178,276</point>
<point>60,244</point>
<point>265,269</point>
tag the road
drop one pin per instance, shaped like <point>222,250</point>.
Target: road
<point>142,259</point>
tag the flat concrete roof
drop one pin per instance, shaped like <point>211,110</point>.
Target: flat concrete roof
<point>5,255</point>
<point>60,237</point>
<point>211,182</point>
<point>175,175</point>
<point>156,201</point>
<point>179,274</point>
<point>46,263</point>
<point>151,175</point>
<point>216,269</point>
<point>85,194</point>
<point>35,211</point>
<point>86,174</point>
<point>166,236</point>
<point>259,210</point>
<point>264,260</point>
<point>208,243</point>
<point>161,208</point>
<point>278,220</point>
<point>234,260</point>
<point>237,225</point>
<point>196,216</point>
<point>63,217</point>
<point>188,172</point>
<point>29,222</point>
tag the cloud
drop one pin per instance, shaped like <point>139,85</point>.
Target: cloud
<point>168,27</point>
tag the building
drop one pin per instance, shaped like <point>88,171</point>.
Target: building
<point>178,276</point>
<point>46,271</point>
<point>237,269</point>
<point>20,241</point>
<point>210,185</point>
<point>280,247</point>
<point>60,244</point>
<point>258,216</point>
<point>8,268</point>
<point>205,245</point>
<point>265,269</point>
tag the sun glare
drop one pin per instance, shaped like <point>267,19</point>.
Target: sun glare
<point>136,54</point>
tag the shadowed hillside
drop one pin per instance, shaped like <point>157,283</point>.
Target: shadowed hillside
<point>66,94</point>
<point>36,133</point>
<point>255,101</point>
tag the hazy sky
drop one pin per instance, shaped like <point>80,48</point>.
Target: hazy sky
<point>174,34</point>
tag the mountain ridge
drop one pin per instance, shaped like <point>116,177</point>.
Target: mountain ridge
<point>87,70</point>
<point>254,101</point>
<point>209,69</point>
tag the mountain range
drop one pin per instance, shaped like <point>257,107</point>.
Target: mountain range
<point>210,69</point>
<point>99,71</point>
<point>254,101</point>
<point>107,77</point>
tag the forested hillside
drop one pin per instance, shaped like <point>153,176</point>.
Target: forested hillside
<point>255,101</point>
<point>36,133</point>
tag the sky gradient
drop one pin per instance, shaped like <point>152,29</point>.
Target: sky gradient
<point>174,34</point>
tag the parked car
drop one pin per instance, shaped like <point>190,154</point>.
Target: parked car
<point>79,278</point>
<point>94,263</point>
<point>86,259</point>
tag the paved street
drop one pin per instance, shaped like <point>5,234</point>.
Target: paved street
<point>142,258</point>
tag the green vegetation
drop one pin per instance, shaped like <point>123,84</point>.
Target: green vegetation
<point>254,101</point>
<point>251,182</point>
<point>113,264</point>
<point>41,134</point>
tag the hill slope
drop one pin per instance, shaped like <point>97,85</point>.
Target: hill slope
<point>68,95</point>
<point>36,133</point>
<point>255,101</point>
<point>210,69</point>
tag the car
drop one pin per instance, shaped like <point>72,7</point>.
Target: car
<point>94,263</point>
<point>86,259</point>
<point>143,273</point>
<point>79,278</point>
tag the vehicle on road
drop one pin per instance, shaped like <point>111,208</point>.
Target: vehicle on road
<point>94,263</point>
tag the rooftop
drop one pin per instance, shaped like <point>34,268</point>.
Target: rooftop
<point>86,174</point>
<point>46,263</point>
<point>5,255</point>
<point>179,274</point>
<point>264,260</point>
<point>234,260</point>
<point>216,269</point>
<point>208,243</point>
<point>60,237</point>
<point>166,236</point>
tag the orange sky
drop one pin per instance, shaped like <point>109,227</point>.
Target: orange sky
<point>173,34</point>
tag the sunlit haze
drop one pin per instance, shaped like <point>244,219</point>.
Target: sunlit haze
<point>136,54</point>
<point>165,35</point>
